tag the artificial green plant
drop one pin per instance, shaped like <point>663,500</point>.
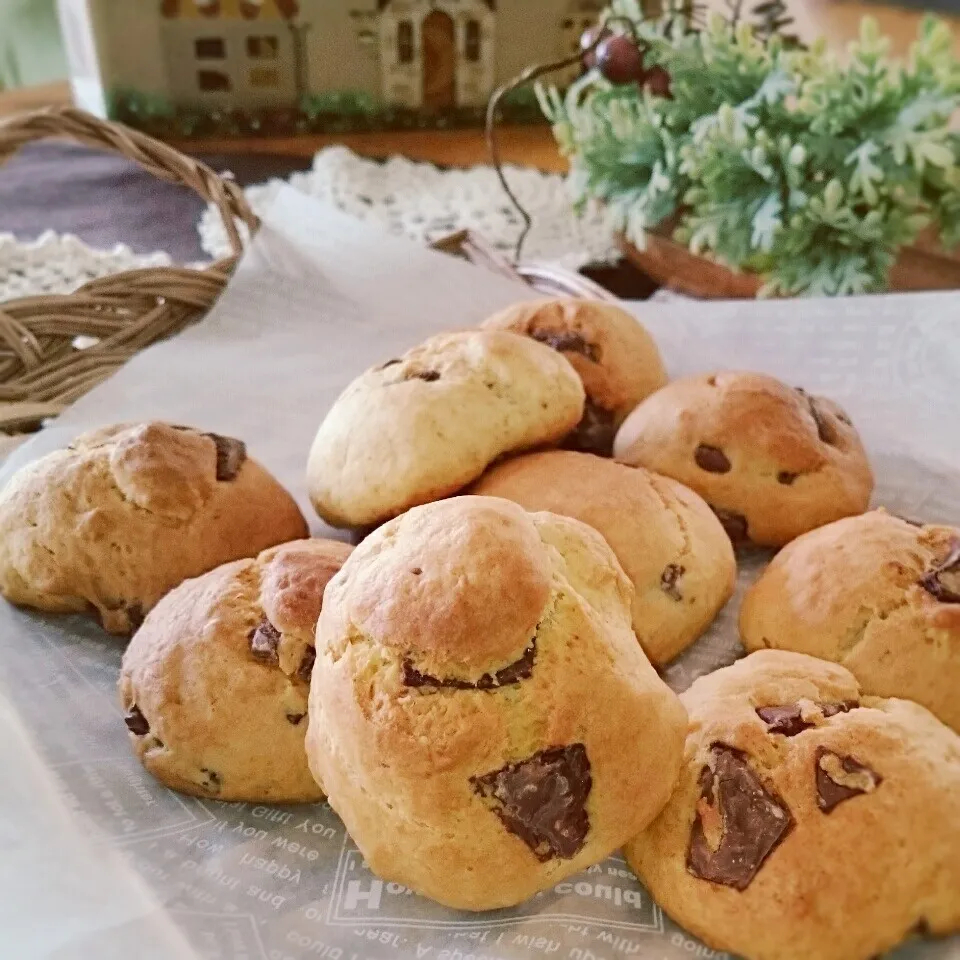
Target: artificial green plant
<point>769,157</point>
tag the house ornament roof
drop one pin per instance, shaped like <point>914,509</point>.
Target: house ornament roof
<point>384,4</point>
<point>230,9</point>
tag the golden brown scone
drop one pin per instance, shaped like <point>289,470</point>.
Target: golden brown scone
<point>423,426</point>
<point>667,540</point>
<point>875,593</point>
<point>481,714</point>
<point>616,358</point>
<point>214,684</point>
<point>126,513</point>
<point>809,822</point>
<point>772,461</point>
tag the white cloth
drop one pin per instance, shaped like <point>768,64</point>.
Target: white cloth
<point>423,202</point>
<point>60,263</point>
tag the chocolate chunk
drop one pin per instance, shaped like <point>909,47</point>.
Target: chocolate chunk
<point>825,429</point>
<point>841,777</point>
<point>734,523</point>
<point>136,722</point>
<point>788,721</point>
<point>305,669</point>
<point>389,363</point>
<point>230,455</point>
<point>843,418</point>
<point>211,780</point>
<point>135,615</point>
<point>295,718</point>
<point>542,800</point>
<point>786,477</point>
<point>263,642</point>
<point>567,341</point>
<point>943,581</point>
<point>670,579</point>
<point>510,674</point>
<point>739,823</point>
<point>711,459</point>
<point>430,376</point>
<point>594,433</point>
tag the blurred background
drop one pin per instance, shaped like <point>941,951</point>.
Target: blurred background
<point>31,51</point>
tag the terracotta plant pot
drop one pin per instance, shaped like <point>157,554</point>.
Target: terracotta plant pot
<point>924,266</point>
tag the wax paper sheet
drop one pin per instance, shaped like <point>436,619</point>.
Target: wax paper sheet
<point>99,861</point>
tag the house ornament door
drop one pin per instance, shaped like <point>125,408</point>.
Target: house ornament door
<point>439,61</point>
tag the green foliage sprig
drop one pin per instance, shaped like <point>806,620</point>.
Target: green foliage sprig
<point>771,158</point>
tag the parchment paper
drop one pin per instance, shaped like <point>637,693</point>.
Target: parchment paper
<point>99,861</point>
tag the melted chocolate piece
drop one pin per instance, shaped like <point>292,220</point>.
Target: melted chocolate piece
<point>542,800</point>
<point>746,822</point>
<point>430,376</point>
<point>786,477</point>
<point>825,429</point>
<point>912,522</point>
<point>787,720</point>
<point>512,673</point>
<point>230,455</point>
<point>263,642</point>
<point>594,433</point>
<point>670,579</point>
<point>933,581</point>
<point>135,615</point>
<point>306,664</point>
<point>389,363</point>
<point>734,523</point>
<point>566,341</point>
<point>295,718</point>
<point>852,780</point>
<point>212,781</point>
<point>711,459</point>
<point>136,722</point>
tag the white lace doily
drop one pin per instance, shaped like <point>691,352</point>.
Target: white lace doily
<point>60,263</point>
<point>423,202</point>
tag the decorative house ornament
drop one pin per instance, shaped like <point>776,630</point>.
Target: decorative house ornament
<point>253,67</point>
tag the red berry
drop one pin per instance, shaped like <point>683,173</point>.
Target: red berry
<point>657,81</point>
<point>588,41</point>
<point>620,60</point>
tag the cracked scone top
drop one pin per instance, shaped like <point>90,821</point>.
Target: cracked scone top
<point>426,424</point>
<point>616,358</point>
<point>772,461</point>
<point>876,593</point>
<point>809,822</point>
<point>127,512</point>
<point>668,541</point>
<point>481,714</point>
<point>214,684</point>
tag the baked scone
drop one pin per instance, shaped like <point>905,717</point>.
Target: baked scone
<point>809,822</point>
<point>667,540</point>
<point>423,426</point>
<point>481,714</point>
<point>876,593</point>
<point>616,358</point>
<point>125,513</point>
<point>772,461</point>
<point>214,684</point>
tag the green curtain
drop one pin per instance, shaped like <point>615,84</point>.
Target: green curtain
<point>30,47</point>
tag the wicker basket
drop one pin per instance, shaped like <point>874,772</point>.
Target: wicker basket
<point>42,370</point>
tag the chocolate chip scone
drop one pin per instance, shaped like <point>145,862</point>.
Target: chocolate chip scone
<point>481,714</point>
<point>810,822</point>
<point>772,461</point>
<point>616,358</point>
<point>423,426</point>
<point>667,540</point>
<point>126,513</point>
<point>876,593</point>
<point>214,684</point>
